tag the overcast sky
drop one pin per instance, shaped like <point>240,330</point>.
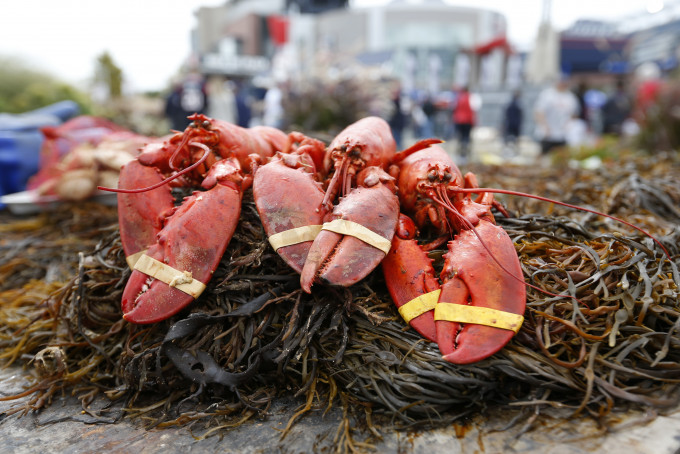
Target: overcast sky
<point>149,39</point>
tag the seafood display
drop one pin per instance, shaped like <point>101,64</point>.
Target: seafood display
<point>253,261</point>
<point>80,155</point>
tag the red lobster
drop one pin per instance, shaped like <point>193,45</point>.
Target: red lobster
<point>339,243</point>
<point>174,251</point>
<point>479,305</point>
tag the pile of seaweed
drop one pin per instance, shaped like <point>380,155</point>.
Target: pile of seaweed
<point>609,340</point>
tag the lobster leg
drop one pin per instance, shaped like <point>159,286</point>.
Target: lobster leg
<point>411,279</point>
<point>473,278</point>
<point>357,234</point>
<point>190,245</point>
<point>141,216</point>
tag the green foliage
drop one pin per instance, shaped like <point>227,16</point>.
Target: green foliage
<point>109,74</point>
<point>24,89</point>
<point>328,107</point>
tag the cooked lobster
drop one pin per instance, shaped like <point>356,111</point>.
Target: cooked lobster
<point>478,306</point>
<point>174,250</point>
<point>339,234</point>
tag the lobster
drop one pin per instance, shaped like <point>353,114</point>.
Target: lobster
<point>173,251</point>
<point>328,242</point>
<point>479,304</point>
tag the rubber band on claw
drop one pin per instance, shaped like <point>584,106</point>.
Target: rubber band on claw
<point>181,280</point>
<point>345,227</point>
<point>294,236</point>
<point>419,305</point>
<point>478,315</point>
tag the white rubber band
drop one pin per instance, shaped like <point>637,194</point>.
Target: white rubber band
<point>366,235</point>
<point>294,236</point>
<point>132,259</point>
<point>181,280</point>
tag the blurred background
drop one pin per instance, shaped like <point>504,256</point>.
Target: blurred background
<point>318,65</point>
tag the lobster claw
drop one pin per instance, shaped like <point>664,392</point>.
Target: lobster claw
<point>175,270</point>
<point>287,199</point>
<point>140,216</point>
<point>356,235</point>
<point>482,298</point>
<point>411,280</point>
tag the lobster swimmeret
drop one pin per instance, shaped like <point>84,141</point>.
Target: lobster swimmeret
<point>174,251</point>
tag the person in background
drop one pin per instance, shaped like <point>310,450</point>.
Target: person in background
<point>187,98</point>
<point>512,124</point>
<point>616,110</point>
<point>464,119</point>
<point>243,110</point>
<point>397,120</point>
<point>554,110</point>
<point>222,105</point>
<point>173,109</point>
<point>648,87</point>
<point>429,110</point>
<point>581,90</point>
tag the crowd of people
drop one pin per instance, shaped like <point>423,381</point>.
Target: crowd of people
<point>561,115</point>
<point>216,97</point>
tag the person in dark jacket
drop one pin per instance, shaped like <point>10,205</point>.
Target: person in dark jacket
<point>397,120</point>
<point>512,124</point>
<point>616,110</point>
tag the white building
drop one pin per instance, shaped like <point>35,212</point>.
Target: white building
<point>429,45</point>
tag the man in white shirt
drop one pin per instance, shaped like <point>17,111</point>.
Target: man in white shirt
<point>555,108</point>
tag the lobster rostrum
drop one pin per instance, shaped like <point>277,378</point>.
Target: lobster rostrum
<point>173,251</point>
<point>338,235</point>
<point>476,305</point>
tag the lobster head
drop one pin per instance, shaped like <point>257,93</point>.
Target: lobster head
<point>425,176</point>
<point>368,142</point>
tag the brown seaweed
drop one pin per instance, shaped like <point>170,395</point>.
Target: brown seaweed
<point>601,331</point>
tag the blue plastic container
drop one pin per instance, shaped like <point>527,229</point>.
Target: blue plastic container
<point>10,166</point>
<point>21,140</point>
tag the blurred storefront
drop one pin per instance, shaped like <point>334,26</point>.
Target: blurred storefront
<point>429,45</point>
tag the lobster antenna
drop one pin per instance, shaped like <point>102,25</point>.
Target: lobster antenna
<point>167,180</point>
<point>568,205</point>
<point>420,145</point>
<point>449,206</point>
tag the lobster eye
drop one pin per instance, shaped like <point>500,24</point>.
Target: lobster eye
<point>447,176</point>
<point>355,153</point>
<point>432,175</point>
<point>343,147</point>
<point>206,124</point>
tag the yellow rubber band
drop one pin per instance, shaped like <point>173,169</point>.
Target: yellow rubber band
<point>366,235</point>
<point>294,236</point>
<point>132,259</point>
<point>419,305</point>
<point>181,280</point>
<point>478,316</point>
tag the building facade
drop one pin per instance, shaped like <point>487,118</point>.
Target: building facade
<point>428,45</point>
